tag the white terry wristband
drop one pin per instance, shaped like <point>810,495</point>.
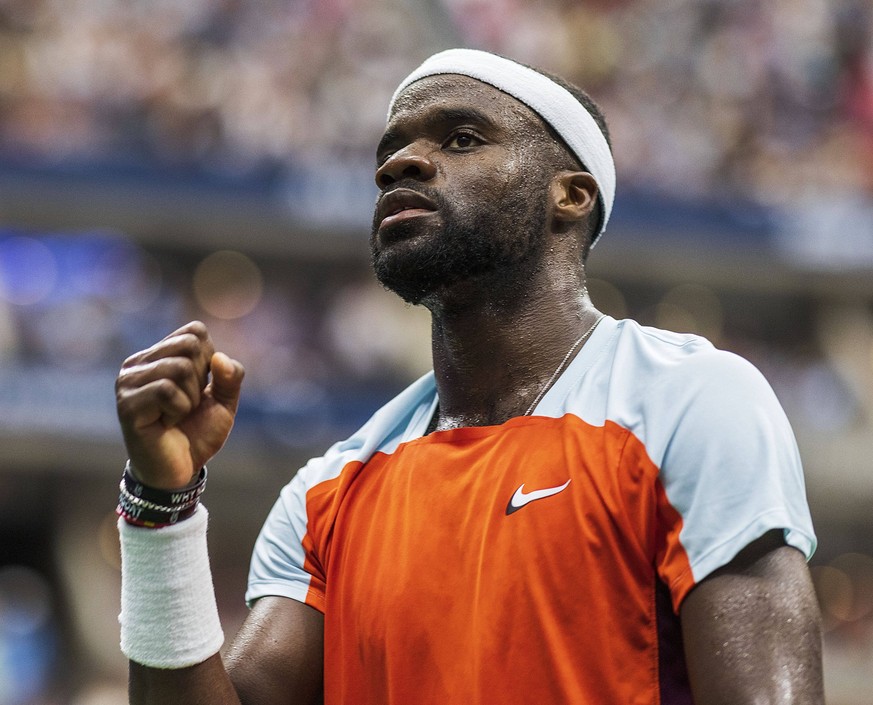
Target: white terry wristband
<point>169,618</point>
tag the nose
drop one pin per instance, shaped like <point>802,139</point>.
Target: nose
<point>405,164</point>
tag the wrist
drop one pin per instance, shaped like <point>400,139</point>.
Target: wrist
<point>159,480</point>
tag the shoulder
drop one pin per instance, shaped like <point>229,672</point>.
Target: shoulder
<point>681,398</point>
<point>645,380</point>
<point>657,372</point>
<point>674,366</point>
<point>663,351</point>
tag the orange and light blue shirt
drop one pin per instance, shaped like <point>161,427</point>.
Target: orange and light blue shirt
<point>544,559</point>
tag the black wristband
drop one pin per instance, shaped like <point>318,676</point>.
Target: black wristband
<point>166,498</point>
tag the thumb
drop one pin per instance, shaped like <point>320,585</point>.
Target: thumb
<point>227,377</point>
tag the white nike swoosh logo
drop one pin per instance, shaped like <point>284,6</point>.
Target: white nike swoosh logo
<point>520,498</point>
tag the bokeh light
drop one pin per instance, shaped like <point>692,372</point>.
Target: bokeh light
<point>28,270</point>
<point>228,284</point>
<point>845,589</point>
<point>859,569</point>
<point>834,590</point>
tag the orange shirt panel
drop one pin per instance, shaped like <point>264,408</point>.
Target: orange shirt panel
<point>430,587</point>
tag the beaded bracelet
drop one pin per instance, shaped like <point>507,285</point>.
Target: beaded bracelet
<point>154,508</point>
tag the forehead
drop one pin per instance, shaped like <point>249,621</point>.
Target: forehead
<point>436,94</point>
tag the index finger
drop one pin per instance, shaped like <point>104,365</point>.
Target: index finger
<point>197,328</point>
<point>191,340</point>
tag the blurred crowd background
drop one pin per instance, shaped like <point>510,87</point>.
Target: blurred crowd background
<point>163,160</point>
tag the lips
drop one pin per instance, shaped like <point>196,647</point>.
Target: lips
<point>401,204</point>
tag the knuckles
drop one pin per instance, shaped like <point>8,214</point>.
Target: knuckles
<point>175,373</point>
<point>191,341</point>
<point>179,369</point>
<point>166,390</point>
<point>123,403</point>
<point>196,328</point>
<point>169,374</point>
<point>184,354</point>
<point>189,345</point>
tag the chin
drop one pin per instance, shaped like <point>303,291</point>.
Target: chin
<point>398,275</point>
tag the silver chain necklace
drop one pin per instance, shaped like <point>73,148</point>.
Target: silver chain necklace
<point>560,369</point>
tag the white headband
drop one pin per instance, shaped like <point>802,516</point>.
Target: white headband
<point>553,103</point>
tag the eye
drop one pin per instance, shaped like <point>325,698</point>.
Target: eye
<point>462,140</point>
<point>381,159</point>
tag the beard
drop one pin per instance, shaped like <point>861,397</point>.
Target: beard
<point>494,244</point>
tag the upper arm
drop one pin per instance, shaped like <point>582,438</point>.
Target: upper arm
<point>277,656</point>
<point>751,630</point>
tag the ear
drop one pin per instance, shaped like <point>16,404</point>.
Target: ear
<point>574,195</point>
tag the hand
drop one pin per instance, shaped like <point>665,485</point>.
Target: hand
<point>173,417</point>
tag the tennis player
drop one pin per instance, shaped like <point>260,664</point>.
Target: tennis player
<point>569,509</point>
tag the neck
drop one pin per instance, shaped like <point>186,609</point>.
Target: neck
<point>495,353</point>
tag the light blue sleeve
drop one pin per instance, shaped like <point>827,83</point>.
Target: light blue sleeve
<point>278,559</point>
<point>728,459</point>
<point>280,564</point>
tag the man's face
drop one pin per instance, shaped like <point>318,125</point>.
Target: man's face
<point>463,170</point>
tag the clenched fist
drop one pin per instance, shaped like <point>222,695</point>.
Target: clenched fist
<point>176,403</point>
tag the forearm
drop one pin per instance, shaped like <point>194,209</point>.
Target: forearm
<point>206,683</point>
